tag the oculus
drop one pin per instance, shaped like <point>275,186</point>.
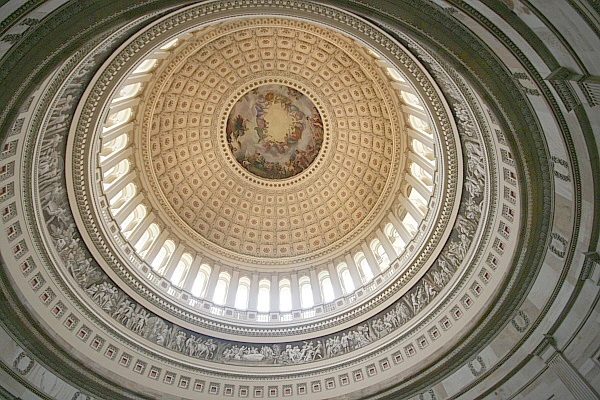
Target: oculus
<point>274,131</point>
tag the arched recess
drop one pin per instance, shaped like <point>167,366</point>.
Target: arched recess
<point>346,278</point>
<point>264,295</point>
<point>221,288</point>
<point>326,287</point>
<point>243,293</point>
<point>181,269</point>
<point>285,295</point>
<point>163,256</point>
<point>306,294</point>
<point>199,286</point>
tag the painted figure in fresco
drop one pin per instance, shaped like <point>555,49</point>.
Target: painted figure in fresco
<point>437,279</point>
<point>287,151</point>
<point>430,292</point>
<point>296,132</point>
<point>239,128</point>
<point>261,126</point>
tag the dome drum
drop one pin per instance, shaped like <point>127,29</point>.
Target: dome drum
<point>406,215</point>
<point>360,262</point>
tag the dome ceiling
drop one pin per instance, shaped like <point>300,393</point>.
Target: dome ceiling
<point>189,124</point>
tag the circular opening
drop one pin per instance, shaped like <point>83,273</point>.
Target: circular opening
<point>274,131</point>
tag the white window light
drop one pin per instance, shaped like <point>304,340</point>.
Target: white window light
<point>285,296</point>
<point>264,296</point>
<point>199,285</point>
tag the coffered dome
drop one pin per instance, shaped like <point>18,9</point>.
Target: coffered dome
<point>202,165</point>
<point>229,190</point>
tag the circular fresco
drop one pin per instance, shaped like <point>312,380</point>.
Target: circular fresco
<point>274,131</point>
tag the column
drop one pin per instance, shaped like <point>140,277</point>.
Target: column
<point>422,162</point>
<point>141,228</point>
<point>315,286</point>
<point>161,54</point>
<point>128,208</point>
<point>421,137</point>
<point>123,104</point>
<point>371,259</point>
<point>591,267</point>
<point>212,282</point>
<point>253,297</point>
<point>295,288</point>
<point>402,231</point>
<point>558,363</point>
<point>335,280</point>
<point>118,131</point>
<point>232,290</point>
<point>418,186</point>
<point>120,185</point>
<point>143,77</point>
<point>274,294</point>
<point>416,112</point>
<point>169,268</point>
<point>402,86</point>
<point>412,210</point>
<point>115,159</point>
<point>387,245</point>
<point>356,279</point>
<point>188,283</point>
<point>156,246</point>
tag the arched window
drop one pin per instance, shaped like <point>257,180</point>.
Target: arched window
<point>418,172</point>
<point>120,199</point>
<point>117,119</point>
<point>243,293</point>
<point>181,269</point>
<point>128,91</point>
<point>147,239</point>
<point>380,255</point>
<point>418,200</point>
<point>221,288</point>
<point>346,278</point>
<point>395,74</point>
<point>411,99</point>
<point>363,267</point>
<point>264,296</point>
<point>163,256</point>
<point>422,149</point>
<point>200,281</point>
<point>170,45</point>
<point>111,175</point>
<point>395,238</point>
<point>285,295</point>
<point>410,223</point>
<point>306,294</point>
<point>419,124</point>
<point>326,287</point>
<point>133,220</point>
<point>113,146</point>
<point>146,66</point>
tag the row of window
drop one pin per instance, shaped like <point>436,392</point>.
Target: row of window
<point>178,271</point>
